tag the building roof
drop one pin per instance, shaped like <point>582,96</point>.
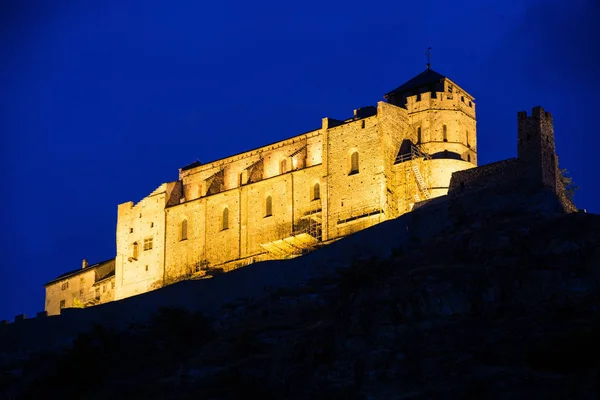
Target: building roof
<point>79,270</point>
<point>423,79</point>
<point>195,164</point>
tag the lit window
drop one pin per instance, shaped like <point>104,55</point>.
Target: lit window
<point>445,133</point>
<point>283,167</point>
<point>225,219</point>
<point>148,244</point>
<point>354,163</point>
<point>268,206</point>
<point>184,230</point>
<point>62,304</point>
<point>419,135</point>
<point>316,192</point>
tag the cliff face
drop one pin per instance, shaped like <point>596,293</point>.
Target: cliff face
<point>489,297</point>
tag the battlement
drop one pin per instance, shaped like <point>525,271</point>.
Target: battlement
<point>537,113</point>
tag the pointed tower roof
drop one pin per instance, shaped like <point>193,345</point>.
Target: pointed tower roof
<point>423,79</point>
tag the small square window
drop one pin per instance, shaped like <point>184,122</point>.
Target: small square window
<point>148,244</point>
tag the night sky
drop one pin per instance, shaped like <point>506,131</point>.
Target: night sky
<point>102,103</point>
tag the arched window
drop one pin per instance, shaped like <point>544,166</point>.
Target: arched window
<point>184,229</point>
<point>268,206</point>
<point>354,163</point>
<point>419,135</point>
<point>135,250</point>
<point>445,133</point>
<point>283,167</point>
<point>316,194</point>
<point>225,220</point>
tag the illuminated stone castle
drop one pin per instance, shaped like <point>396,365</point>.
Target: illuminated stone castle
<point>286,198</point>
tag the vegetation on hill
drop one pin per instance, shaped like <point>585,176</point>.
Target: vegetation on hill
<point>498,309</point>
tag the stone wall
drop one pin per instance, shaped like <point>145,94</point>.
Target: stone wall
<point>139,264</point>
<point>68,290</point>
<point>78,289</point>
<point>490,175</point>
<point>224,203</point>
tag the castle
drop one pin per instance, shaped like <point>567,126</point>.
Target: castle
<point>286,198</point>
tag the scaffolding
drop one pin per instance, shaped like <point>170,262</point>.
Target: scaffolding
<point>413,186</point>
<point>292,240</point>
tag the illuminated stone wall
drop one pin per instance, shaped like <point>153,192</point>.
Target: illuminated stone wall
<point>78,289</point>
<point>142,269</point>
<point>456,111</point>
<point>68,290</point>
<point>286,172</point>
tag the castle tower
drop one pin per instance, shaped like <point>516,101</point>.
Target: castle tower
<point>441,115</point>
<point>536,146</point>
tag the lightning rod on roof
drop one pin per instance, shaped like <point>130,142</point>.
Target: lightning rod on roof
<point>429,58</point>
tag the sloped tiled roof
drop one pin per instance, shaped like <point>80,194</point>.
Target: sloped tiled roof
<point>77,271</point>
<point>423,79</point>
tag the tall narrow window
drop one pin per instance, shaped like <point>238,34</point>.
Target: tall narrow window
<point>419,135</point>
<point>316,191</point>
<point>354,163</point>
<point>445,133</point>
<point>135,250</point>
<point>184,229</point>
<point>467,138</point>
<point>268,206</point>
<point>225,221</point>
<point>283,166</point>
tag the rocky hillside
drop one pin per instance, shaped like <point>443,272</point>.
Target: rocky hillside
<point>504,305</point>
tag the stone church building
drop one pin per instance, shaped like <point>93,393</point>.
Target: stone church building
<point>289,197</point>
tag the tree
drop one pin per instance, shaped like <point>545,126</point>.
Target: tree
<point>569,185</point>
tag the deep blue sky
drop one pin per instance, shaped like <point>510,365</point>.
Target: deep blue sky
<point>102,103</point>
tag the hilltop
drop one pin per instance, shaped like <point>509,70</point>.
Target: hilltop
<point>493,295</point>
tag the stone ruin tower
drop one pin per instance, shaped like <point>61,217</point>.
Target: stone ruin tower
<point>536,148</point>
